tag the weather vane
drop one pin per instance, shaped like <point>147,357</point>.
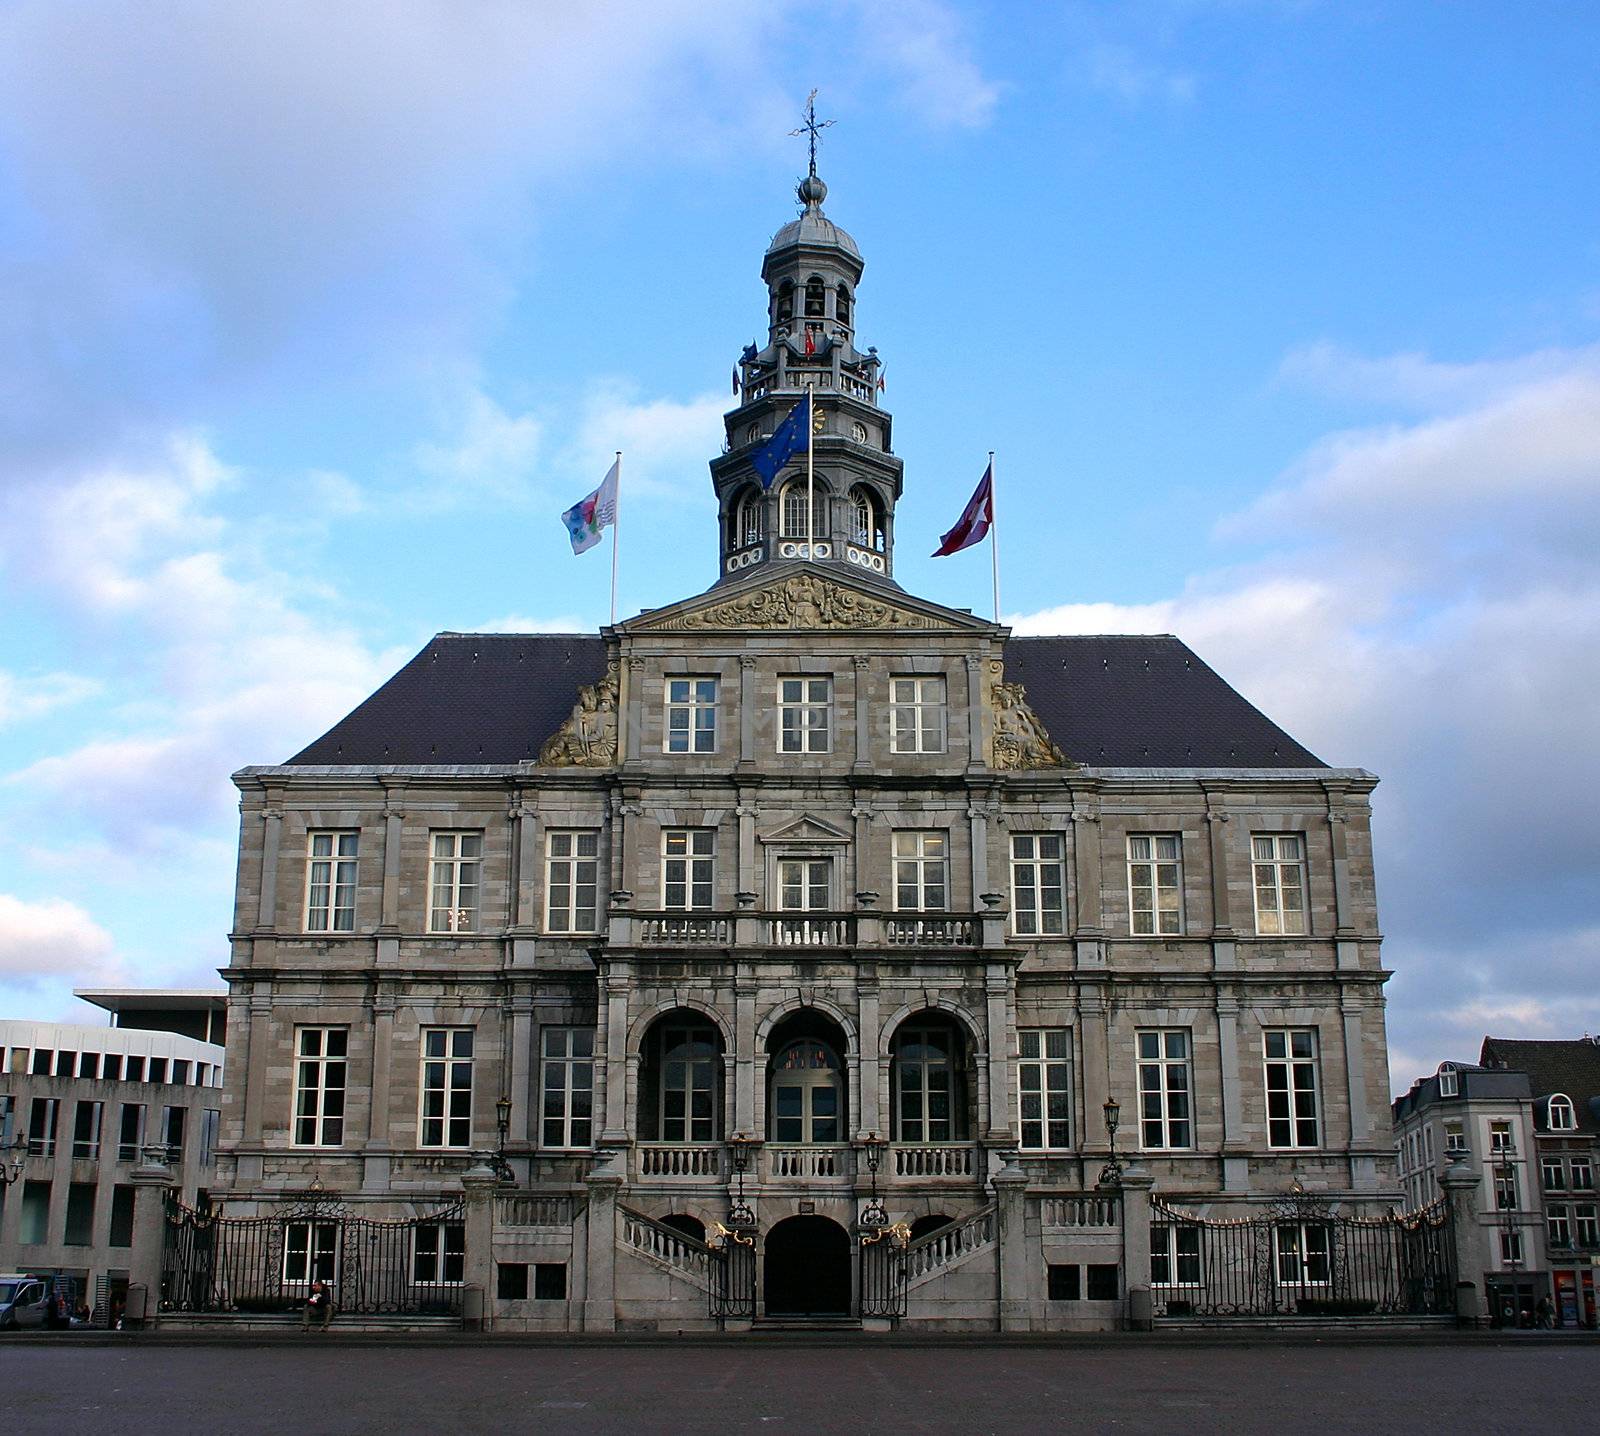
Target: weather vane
<point>812,127</point>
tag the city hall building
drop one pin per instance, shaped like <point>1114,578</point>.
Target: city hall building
<point>805,949</point>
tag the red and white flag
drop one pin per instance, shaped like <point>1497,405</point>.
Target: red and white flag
<point>975,520</point>
<point>811,340</point>
<point>735,378</point>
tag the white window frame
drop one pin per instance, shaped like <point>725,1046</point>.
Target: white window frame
<point>1044,1071</point>
<point>1166,1088</point>
<point>1502,1138</point>
<point>1302,1252</point>
<point>1278,869</point>
<point>689,862</point>
<point>805,883</point>
<point>1449,1080</point>
<point>319,1239</point>
<point>430,1241</point>
<point>1507,1188</point>
<point>444,1106</point>
<point>566,1054</point>
<point>1511,1248</point>
<point>1301,1102</point>
<point>1553,1173</point>
<point>1558,1224</point>
<point>918,713</point>
<point>1172,1262</point>
<point>315,1068</point>
<point>1155,884</point>
<point>689,705</point>
<point>922,867</point>
<point>331,871</point>
<point>87,1148</point>
<point>1561,1103</point>
<point>572,880</point>
<point>1586,1224</point>
<point>805,713</point>
<point>455,880</point>
<point>1455,1138</point>
<point>1582,1172</point>
<point>1038,884</point>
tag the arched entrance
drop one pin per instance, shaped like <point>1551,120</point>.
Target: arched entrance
<point>807,1268</point>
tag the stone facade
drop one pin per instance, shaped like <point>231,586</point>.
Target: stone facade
<point>843,927</point>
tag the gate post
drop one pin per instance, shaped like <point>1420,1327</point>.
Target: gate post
<point>1136,1185</point>
<point>152,1180</point>
<point>479,1184</point>
<point>1011,1212</point>
<point>600,1266</point>
<point>1460,1183</point>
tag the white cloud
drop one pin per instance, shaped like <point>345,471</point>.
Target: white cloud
<point>23,698</point>
<point>665,442</point>
<point>1118,71</point>
<point>493,454</point>
<point>51,941</point>
<point>922,46</point>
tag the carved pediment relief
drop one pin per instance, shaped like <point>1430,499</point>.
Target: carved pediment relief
<point>806,829</point>
<point>588,739</point>
<point>803,601</point>
<point>1018,741</point>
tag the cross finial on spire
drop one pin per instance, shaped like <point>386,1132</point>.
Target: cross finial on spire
<point>812,127</point>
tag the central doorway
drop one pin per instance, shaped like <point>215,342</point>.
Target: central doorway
<point>808,1268</point>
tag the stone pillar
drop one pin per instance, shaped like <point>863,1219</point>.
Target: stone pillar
<point>1221,895</point>
<point>375,1165</point>
<point>744,1054</point>
<point>978,837</point>
<point>1460,1183</point>
<point>1093,1066</point>
<point>479,1185</point>
<point>748,708</point>
<point>1235,1143</point>
<point>1339,839</point>
<point>1363,1169</point>
<point>1020,1271</point>
<point>267,906</point>
<point>255,1090</point>
<point>868,1087</point>
<point>977,748</point>
<point>1087,930</point>
<point>1136,1186</point>
<point>525,879</point>
<point>863,758</point>
<point>630,720</point>
<point>152,1180</point>
<point>522,1062</point>
<point>614,1014</point>
<point>997,989</point>
<point>600,1262</point>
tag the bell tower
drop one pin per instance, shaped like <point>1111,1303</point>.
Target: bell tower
<point>811,270</point>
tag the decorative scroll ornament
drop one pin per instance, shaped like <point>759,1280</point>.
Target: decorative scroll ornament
<point>802,602</point>
<point>588,739</point>
<point>1020,741</point>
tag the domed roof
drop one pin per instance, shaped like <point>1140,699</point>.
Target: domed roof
<point>813,227</point>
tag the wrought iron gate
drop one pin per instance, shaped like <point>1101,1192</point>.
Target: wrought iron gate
<point>883,1273</point>
<point>1300,1258</point>
<point>733,1274</point>
<point>217,1263</point>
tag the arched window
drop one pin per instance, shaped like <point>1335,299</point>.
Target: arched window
<point>866,524</point>
<point>748,529</point>
<point>816,298</point>
<point>785,302</point>
<point>680,1080</point>
<point>841,305</point>
<point>928,1080</point>
<point>1561,1116</point>
<point>1449,1083</point>
<point>792,519</point>
<point>806,1093</point>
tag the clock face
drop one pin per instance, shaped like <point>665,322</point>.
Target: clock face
<point>858,432</point>
<point>819,422</point>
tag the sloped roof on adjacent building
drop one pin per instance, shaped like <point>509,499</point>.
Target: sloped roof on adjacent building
<point>1570,1066</point>
<point>1108,701</point>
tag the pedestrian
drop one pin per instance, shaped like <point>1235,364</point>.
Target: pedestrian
<point>1546,1312</point>
<point>319,1303</point>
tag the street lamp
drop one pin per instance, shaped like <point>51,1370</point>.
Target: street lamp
<point>739,1212</point>
<point>11,1165</point>
<point>1111,1173</point>
<point>873,1214</point>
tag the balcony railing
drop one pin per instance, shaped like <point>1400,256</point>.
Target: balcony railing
<point>805,1164</point>
<point>947,1162</point>
<point>685,929</point>
<point>930,930</point>
<point>673,1162</point>
<point>812,930</point>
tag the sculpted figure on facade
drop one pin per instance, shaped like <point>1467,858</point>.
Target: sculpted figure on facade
<point>1020,741</point>
<point>802,602</point>
<point>588,739</point>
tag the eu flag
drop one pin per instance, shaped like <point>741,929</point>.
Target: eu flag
<point>788,439</point>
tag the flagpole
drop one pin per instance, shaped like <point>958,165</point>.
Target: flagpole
<point>994,538</point>
<point>616,534</point>
<point>811,432</point>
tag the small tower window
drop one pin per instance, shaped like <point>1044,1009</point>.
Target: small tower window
<point>1563,1117</point>
<point>816,300</point>
<point>793,516</point>
<point>868,526</point>
<point>749,530</point>
<point>841,306</point>
<point>785,302</point>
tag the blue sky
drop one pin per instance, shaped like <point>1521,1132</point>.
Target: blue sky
<point>1284,319</point>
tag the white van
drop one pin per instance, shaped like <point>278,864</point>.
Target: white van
<point>23,1301</point>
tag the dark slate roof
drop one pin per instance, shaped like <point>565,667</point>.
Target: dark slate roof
<point>1572,1067</point>
<point>1145,701</point>
<point>1122,702</point>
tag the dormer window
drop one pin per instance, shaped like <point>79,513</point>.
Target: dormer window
<point>867,527</point>
<point>816,298</point>
<point>1449,1081</point>
<point>1561,1116</point>
<point>841,305</point>
<point>785,302</point>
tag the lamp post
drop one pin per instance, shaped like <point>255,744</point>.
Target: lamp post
<point>1111,1173</point>
<point>739,1212</point>
<point>872,1148</point>
<point>496,1161</point>
<point>13,1155</point>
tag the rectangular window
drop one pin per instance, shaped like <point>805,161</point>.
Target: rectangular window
<point>331,882</point>
<point>1155,884</point>
<point>130,1132</point>
<point>511,1280</point>
<point>691,716</point>
<point>180,1073</point>
<point>89,1064</point>
<point>320,1061</point>
<point>550,1281</point>
<point>86,1130</point>
<point>1500,1139</point>
<point>158,1069</point>
<point>917,715</point>
<point>1103,1281</point>
<point>1582,1174</point>
<point>1586,1223</point>
<point>1280,882</point>
<point>1291,1071</point>
<point>921,868</point>
<point>80,1215</point>
<point>1044,1088</point>
<point>173,1122</point>
<point>446,1087</point>
<point>43,1061</point>
<point>1505,1188</point>
<point>568,1105</point>
<point>688,868</point>
<point>122,1215</point>
<point>805,884</point>
<point>1511,1247</point>
<point>1165,1112</point>
<point>1302,1254</point>
<point>1174,1256</point>
<point>1455,1139</point>
<point>571,880</point>
<point>33,1227</point>
<point>310,1252</point>
<point>454,882</point>
<point>1063,1281</point>
<point>210,1129</point>
<point>1558,1223</point>
<point>113,1067</point>
<point>805,707</point>
<point>42,1118</point>
<point>135,1069</point>
<point>439,1257</point>
<point>1554,1172</point>
<point>1038,884</point>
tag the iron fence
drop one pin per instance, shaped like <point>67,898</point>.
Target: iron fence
<point>1301,1258</point>
<point>883,1274</point>
<point>733,1277</point>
